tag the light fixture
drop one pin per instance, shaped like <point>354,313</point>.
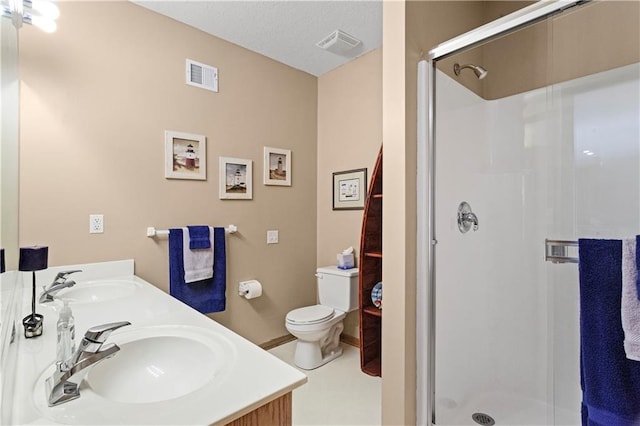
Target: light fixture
<point>45,8</point>
<point>41,13</point>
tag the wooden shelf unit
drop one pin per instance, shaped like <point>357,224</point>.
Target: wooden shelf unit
<point>370,275</point>
<point>372,310</point>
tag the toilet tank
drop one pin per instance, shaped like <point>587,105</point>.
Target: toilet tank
<point>338,288</point>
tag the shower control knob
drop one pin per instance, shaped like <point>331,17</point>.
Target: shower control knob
<point>466,218</point>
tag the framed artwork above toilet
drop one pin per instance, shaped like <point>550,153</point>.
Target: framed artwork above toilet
<point>349,189</point>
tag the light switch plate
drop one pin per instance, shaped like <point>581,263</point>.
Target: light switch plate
<point>272,236</point>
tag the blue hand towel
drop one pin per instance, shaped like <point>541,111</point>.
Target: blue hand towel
<point>630,310</point>
<point>198,264</point>
<point>610,382</point>
<point>199,237</point>
<point>205,296</point>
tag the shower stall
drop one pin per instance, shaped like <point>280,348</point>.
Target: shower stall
<point>529,139</point>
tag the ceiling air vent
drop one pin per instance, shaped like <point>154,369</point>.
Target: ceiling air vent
<point>338,42</point>
<point>201,75</point>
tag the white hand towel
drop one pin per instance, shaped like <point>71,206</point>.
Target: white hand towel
<point>198,264</point>
<point>630,304</point>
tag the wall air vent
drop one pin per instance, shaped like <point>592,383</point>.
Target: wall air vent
<point>338,42</point>
<point>201,75</point>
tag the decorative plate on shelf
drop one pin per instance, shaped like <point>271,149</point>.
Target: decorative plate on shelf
<point>376,295</point>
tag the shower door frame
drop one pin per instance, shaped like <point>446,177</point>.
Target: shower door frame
<point>426,151</point>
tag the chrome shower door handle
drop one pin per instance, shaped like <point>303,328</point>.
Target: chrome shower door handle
<point>466,218</point>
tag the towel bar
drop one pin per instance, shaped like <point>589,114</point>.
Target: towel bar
<point>153,232</point>
<point>557,251</point>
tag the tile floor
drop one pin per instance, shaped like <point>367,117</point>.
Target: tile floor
<point>337,393</point>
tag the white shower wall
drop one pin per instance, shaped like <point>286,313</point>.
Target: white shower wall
<point>561,163</point>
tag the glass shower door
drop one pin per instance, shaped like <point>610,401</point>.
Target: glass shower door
<point>546,146</point>
<point>492,343</point>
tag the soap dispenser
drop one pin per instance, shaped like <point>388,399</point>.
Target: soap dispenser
<point>66,338</point>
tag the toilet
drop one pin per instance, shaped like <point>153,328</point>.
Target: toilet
<point>318,327</point>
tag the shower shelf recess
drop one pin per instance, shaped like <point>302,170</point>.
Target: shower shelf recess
<point>371,274</point>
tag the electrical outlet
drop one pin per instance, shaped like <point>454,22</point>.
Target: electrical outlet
<point>96,223</point>
<point>272,236</point>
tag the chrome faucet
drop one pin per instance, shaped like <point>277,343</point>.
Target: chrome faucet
<point>58,387</point>
<point>59,282</point>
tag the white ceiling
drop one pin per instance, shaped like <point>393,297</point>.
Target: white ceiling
<point>286,31</point>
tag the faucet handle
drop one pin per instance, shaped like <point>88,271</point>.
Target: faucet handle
<point>99,333</point>
<point>65,274</point>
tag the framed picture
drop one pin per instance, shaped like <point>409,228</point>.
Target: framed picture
<point>349,189</point>
<point>185,156</point>
<point>277,166</point>
<point>236,179</point>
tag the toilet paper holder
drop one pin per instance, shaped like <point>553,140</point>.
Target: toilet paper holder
<point>250,289</point>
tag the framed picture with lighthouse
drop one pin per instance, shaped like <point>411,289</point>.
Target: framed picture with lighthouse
<point>277,166</point>
<point>185,156</point>
<point>236,179</point>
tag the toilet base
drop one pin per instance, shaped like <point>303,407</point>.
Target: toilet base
<point>309,355</point>
<point>317,346</point>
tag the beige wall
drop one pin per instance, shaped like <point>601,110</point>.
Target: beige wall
<point>349,137</point>
<point>577,43</point>
<point>585,43</point>
<point>97,96</point>
<point>398,326</point>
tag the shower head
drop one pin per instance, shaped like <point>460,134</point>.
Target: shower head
<point>477,70</point>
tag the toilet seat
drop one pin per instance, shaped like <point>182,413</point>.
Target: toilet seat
<point>310,315</point>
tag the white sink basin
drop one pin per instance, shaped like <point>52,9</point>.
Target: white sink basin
<point>97,291</point>
<point>175,367</point>
<point>161,363</point>
<point>170,366</point>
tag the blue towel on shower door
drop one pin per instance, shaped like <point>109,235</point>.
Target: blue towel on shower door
<point>205,296</point>
<point>610,382</point>
<point>638,264</point>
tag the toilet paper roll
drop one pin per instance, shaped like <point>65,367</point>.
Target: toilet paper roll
<point>251,289</point>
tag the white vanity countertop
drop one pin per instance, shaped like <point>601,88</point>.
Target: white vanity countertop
<point>248,378</point>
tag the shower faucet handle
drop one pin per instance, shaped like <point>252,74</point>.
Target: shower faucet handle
<point>466,218</point>
<point>472,218</point>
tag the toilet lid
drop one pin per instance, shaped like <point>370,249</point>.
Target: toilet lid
<point>310,314</point>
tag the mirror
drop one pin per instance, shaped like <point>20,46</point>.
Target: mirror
<point>9,107</point>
